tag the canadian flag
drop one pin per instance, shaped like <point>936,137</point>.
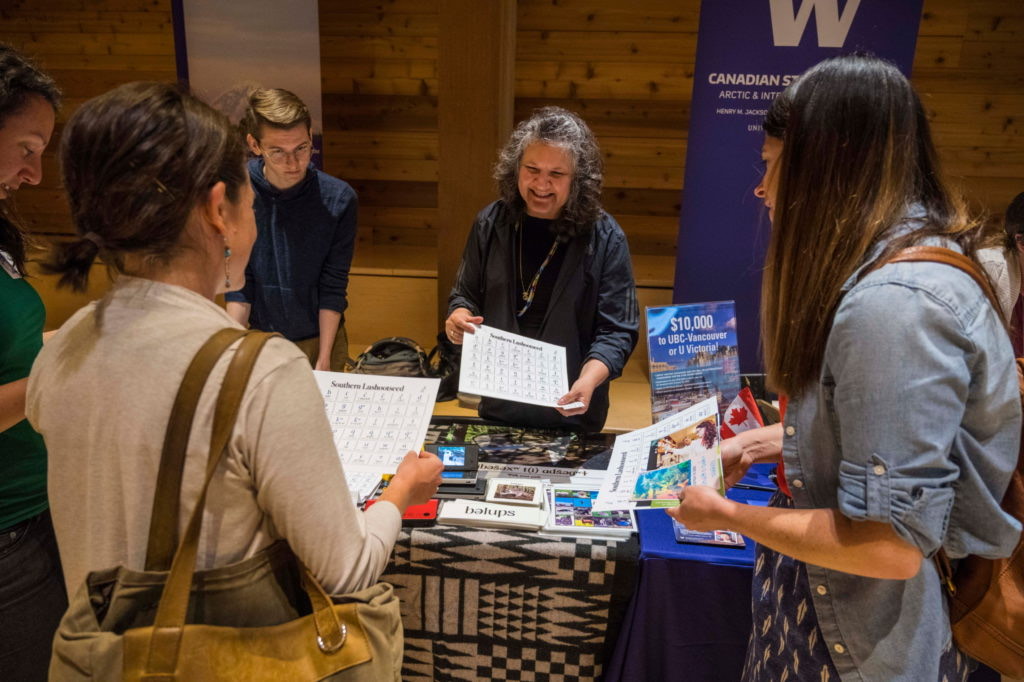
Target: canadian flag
<point>741,415</point>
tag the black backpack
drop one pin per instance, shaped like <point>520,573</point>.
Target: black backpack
<point>395,356</point>
<point>399,356</point>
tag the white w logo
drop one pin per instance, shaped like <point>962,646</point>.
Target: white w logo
<point>832,28</point>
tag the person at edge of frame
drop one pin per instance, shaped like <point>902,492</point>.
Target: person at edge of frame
<point>32,594</point>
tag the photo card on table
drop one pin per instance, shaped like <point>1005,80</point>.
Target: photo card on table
<point>521,491</point>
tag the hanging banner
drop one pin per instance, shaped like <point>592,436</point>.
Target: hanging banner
<point>747,52</point>
<point>225,49</point>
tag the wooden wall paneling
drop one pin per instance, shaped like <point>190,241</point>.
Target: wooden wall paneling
<point>969,70</point>
<point>75,7</point>
<point>627,70</point>
<point>88,48</point>
<point>330,9</point>
<point>993,20</point>
<point>615,46</point>
<point>379,84</point>
<point>642,201</point>
<point>625,67</point>
<point>609,15</point>
<point>642,118</point>
<point>476,63</point>
<point>381,113</point>
<point>385,306</point>
<point>604,80</point>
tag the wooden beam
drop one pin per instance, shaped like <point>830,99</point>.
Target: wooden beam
<point>476,84</point>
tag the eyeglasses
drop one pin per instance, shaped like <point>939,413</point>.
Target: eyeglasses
<point>303,151</point>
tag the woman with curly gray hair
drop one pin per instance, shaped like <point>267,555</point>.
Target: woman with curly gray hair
<point>546,261</point>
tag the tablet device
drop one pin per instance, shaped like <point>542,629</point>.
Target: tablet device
<point>456,456</point>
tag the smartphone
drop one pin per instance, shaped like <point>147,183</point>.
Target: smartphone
<point>458,477</point>
<point>456,456</point>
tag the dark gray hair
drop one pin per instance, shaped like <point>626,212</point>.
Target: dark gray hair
<point>559,128</point>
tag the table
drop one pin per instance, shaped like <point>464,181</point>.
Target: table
<point>486,604</point>
<point>507,605</point>
<point>691,610</point>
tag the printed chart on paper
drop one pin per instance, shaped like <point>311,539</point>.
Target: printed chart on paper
<point>499,364</point>
<point>375,421</point>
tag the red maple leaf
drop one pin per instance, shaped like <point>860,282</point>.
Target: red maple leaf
<point>738,416</point>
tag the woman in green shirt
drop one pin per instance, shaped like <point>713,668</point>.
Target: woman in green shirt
<point>32,595</point>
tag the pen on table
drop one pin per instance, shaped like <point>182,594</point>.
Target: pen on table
<point>748,486</point>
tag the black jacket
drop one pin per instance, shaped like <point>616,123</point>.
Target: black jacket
<point>592,311</point>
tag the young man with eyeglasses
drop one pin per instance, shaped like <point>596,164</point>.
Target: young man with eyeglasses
<point>297,279</point>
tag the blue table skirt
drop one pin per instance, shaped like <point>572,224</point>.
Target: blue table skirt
<point>690,616</point>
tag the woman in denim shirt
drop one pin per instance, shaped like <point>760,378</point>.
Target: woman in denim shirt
<point>903,422</point>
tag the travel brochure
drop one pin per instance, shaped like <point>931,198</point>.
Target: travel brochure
<point>525,492</point>
<point>693,353</point>
<point>650,466</point>
<point>727,538</point>
<point>571,512</point>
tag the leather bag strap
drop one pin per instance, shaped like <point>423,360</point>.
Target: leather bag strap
<point>163,521</point>
<point>938,254</point>
<point>165,642</point>
<point>169,624</point>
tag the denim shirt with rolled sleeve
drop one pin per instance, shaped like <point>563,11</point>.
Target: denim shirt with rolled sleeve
<point>915,422</point>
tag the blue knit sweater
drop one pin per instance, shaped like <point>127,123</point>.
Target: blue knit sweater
<point>303,251</point>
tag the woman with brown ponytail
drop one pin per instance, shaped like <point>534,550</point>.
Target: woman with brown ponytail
<point>32,597</point>
<point>157,186</point>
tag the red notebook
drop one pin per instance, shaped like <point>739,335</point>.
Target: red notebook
<point>416,514</point>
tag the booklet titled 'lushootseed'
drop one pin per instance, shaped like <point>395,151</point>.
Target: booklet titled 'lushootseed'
<point>490,515</point>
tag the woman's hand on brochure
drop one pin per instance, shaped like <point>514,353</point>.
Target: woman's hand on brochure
<point>461,321</point>
<point>416,480</point>
<point>701,508</point>
<point>750,447</point>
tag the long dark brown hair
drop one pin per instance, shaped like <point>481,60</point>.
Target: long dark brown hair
<point>19,80</point>
<point>135,162</point>
<point>857,154</point>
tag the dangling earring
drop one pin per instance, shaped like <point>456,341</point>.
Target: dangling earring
<point>227,264</point>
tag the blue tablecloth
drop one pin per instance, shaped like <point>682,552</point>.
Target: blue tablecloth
<point>658,542</point>
<point>690,616</point>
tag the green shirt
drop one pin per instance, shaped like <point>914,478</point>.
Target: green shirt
<point>22,453</point>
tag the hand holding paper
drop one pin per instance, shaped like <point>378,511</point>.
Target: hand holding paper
<point>577,400</point>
